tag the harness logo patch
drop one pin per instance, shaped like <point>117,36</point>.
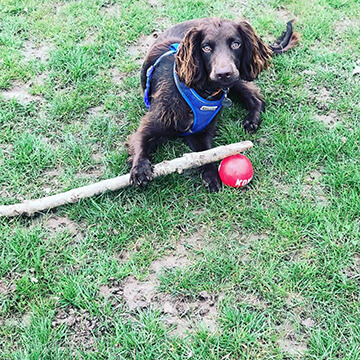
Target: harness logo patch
<point>208,108</point>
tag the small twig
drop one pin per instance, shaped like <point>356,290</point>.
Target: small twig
<point>187,161</point>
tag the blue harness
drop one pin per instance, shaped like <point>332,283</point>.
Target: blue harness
<point>204,110</point>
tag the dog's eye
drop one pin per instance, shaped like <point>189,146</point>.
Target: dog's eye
<point>235,45</point>
<point>206,48</point>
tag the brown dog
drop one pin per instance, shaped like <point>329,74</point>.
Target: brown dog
<point>214,56</point>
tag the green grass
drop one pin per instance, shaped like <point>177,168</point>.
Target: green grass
<point>279,258</point>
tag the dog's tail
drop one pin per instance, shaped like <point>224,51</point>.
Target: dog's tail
<point>287,40</point>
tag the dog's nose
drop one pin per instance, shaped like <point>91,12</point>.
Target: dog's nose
<point>223,73</point>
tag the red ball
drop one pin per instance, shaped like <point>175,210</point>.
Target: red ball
<point>236,171</point>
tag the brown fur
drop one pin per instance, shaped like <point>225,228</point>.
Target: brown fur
<point>258,53</point>
<point>187,59</point>
<point>236,57</point>
<point>295,38</point>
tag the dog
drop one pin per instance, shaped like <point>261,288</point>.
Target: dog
<point>186,77</point>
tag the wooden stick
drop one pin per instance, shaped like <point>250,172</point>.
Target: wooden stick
<point>187,161</point>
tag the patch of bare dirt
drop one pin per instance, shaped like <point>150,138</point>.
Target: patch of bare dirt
<point>7,194</point>
<point>330,120</point>
<point>290,342</point>
<point>196,241</point>
<point>116,76</point>
<point>251,238</point>
<point>294,299</point>
<point>299,255</point>
<point>253,300</point>
<point>236,9</point>
<point>343,24</point>
<point>80,324</point>
<point>96,110</point>
<point>111,9</point>
<point>309,72</point>
<point>20,92</point>
<point>182,315</point>
<point>313,189</point>
<point>56,223</point>
<point>353,271</point>
<point>93,172</point>
<point>40,79</point>
<point>54,173</point>
<point>248,241</point>
<point>308,322</point>
<point>357,261</point>
<point>176,260</point>
<point>90,39</point>
<point>321,97</point>
<point>97,156</point>
<point>163,23</point>
<point>122,256</point>
<point>14,321</point>
<point>356,70</point>
<point>169,262</point>
<point>284,14</point>
<point>262,141</point>
<point>7,290</point>
<point>6,148</point>
<point>141,47</point>
<point>6,287</point>
<point>299,309</point>
<point>324,95</point>
<point>50,183</point>
<point>314,176</point>
<point>281,187</point>
<point>186,316</point>
<point>108,291</point>
<point>34,52</point>
<point>153,3</point>
<point>293,347</point>
<point>138,294</point>
<point>58,8</point>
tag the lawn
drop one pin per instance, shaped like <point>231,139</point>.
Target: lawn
<point>270,271</point>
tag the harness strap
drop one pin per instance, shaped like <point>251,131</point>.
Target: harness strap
<point>204,110</point>
<point>150,70</point>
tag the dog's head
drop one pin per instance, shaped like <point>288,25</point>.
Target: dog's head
<point>222,52</point>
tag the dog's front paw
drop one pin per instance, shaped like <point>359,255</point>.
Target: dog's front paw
<point>212,180</point>
<point>141,173</point>
<point>251,123</point>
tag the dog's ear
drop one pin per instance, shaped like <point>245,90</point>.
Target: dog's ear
<point>189,63</point>
<point>256,54</point>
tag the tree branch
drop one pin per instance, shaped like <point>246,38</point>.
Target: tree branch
<point>187,161</point>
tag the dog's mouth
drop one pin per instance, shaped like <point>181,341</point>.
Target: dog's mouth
<point>226,83</point>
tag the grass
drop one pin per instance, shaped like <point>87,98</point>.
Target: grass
<point>280,259</point>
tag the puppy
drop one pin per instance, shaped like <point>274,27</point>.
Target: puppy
<point>186,77</point>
